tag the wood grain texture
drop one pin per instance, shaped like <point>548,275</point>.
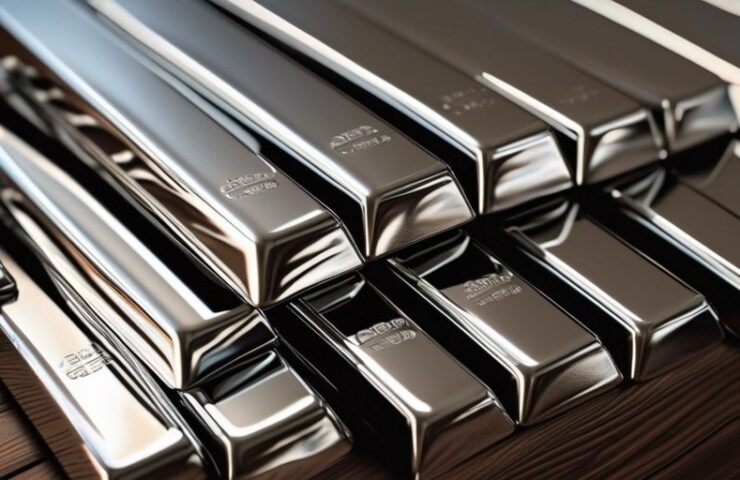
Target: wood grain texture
<point>685,424</point>
<point>18,447</point>
<point>46,470</point>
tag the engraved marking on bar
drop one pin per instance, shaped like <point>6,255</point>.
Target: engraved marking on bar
<point>501,285</point>
<point>385,334</point>
<point>84,362</point>
<point>249,185</point>
<point>469,99</point>
<point>579,94</point>
<point>358,139</point>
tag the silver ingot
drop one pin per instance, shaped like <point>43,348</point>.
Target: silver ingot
<point>662,320</point>
<point>695,104</point>
<point>503,314</point>
<point>251,225</point>
<point>267,423</point>
<point>400,194</point>
<point>125,436</point>
<point>442,404</point>
<point>610,133</point>
<point>181,336</point>
<point>513,156</point>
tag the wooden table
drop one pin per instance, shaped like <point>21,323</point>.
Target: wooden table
<point>685,424</point>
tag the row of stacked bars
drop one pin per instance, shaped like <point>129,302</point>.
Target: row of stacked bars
<point>241,236</point>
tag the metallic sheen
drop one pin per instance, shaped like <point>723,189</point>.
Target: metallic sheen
<point>267,423</point>
<point>449,414</point>
<point>244,219</point>
<point>179,335</point>
<point>124,434</point>
<point>663,321</point>
<point>506,316</point>
<point>514,157</point>
<point>695,104</point>
<point>611,133</point>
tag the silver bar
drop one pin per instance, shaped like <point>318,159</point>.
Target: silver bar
<point>178,334</point>
<point>716,179</point>
<point>124,435</point>
<point>197,177</point>
<point>443,406</point>
<point>663,321</point>
<point>688,220</point>
<point>401,193</point>
<point>267,422</point>
<point>611,133</point>
<point>683,29</point>
<point>693,103</point>
<point>500,312</point>
<point>513,155</point>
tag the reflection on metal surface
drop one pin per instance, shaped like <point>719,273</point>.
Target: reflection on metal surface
<point>662,321</point>
<point>695,104</point>
<point>688,220</point>
<point>267,422</point>
<point>125,435</point>
<point>172,157</point>
<point>514,156</point>
<point>180,335</point>
<point>716,178</point>
<point>612,134</point>
<point>442,405</point>
<point>502,313</point>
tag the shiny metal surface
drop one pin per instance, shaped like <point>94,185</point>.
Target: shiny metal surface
<point>683,29</point>
<point>717,178</point>
<point>506,316</point>
<point>662,321</point>
<point>443,406</point>
<point>401,193</point>
<point>611,133</point>
<point>245,220</point>
<point>267,422</point>
<point>688,220</point>
<point>177,333</point>
<point>514,157</point>
<point>124,434</point>
<point>695,104</point>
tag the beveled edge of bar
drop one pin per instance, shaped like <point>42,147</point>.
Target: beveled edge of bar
<point>318,433</point>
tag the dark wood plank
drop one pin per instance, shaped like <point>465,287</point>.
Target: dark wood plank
<point>47,470</point>
<point>18,448</point>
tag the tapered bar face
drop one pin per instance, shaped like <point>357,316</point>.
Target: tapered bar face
<point>611,132</point>
<point>246,221</point>
<point>683,29</point>
<point>180,335</point>
<point>125,437</point>
<point>514,155</point>
<point>663,320</point>
<point>401,193</point>
<point>500,311</point>
<point>442,403</point>
<point>717,179</point>
<point>693,103</point>
<point>687,219</point>
<point>267,422</point>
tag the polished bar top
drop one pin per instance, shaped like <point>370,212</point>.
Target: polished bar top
<point>695,104</point>
<point>124,434</point>
<point>611,133</point>
<point>178,333</point>
<point>402,193</point>
<point>514,157</point>
<point>201,181</point>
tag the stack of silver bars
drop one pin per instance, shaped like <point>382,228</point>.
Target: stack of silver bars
<point>256,231</point>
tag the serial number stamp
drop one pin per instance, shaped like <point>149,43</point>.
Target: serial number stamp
<point>386,334</point>
<point>579,94</point>
<point>84,362</point>
<point>358,139</point>
<point>490,288</point>
<point>249,185</point>
<point>463,101</point>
